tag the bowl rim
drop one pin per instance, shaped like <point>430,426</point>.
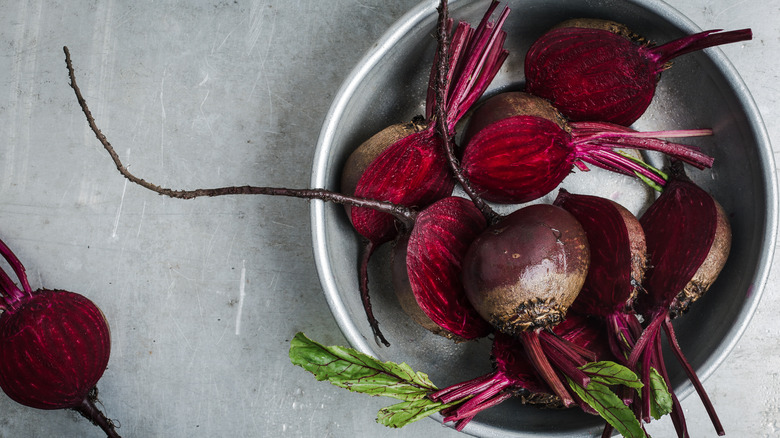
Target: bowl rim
<point>424,10</point>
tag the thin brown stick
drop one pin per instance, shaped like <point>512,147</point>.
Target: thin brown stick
<point>442,38</point>
<point>405,215</point>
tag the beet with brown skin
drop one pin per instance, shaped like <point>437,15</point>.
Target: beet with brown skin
<point>521,274</point>
<point>524,272</point>
<point>598,70</point>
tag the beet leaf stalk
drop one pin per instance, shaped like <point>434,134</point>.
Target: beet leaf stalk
<point>478,72</point>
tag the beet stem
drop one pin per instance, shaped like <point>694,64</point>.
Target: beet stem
<point>11,293</point>
<point>481,401</point>
<point>678,417</point>
<point>615,162</point>
<point>669,329</point>
<point>90,411</point>
<point>441,112</point>
<point>465,389</point>
<point>404,214</point>
<point>366,251</point>
<point>698,41</point>
<point>539,360</point>
<point>572,350</point>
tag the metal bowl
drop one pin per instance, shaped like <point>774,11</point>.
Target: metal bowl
<point>701,90</point>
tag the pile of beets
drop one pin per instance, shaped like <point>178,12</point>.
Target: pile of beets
<point>559,285</point>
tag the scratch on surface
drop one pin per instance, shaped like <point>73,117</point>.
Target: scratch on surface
<point>140,221</point>
<point>203,113</point>
<point>715,19</point>
<point>162,117</point>
<point>182,333</point>
<point>121,203</point>
<point>283,224</point>
<point>241,295</point>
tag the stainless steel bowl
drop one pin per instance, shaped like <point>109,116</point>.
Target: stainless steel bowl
<point>701,90</point>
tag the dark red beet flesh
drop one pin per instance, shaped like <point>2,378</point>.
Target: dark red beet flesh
<point>55,347</point>
<point>518,148</point>
<point>618,258</point>
<point>593,74</point>
<point>428,265</point>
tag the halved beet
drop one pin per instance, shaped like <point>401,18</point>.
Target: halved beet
<point>427,269</point>
<point>518,148</point>
<point>688,240</point>
<point>598,70</point>
<point>618,259</point>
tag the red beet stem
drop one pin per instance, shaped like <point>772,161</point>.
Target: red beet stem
<point>678,417</point>
<point>475,55</point>
<point>616,162</point>
<point>575,352</point>
<point>463,420</point>
<point>485,55</point>
<point>480,69</point>
<point>465,389</point>
<point>366,251</point>
<point>702,40</point>
<point>539,359</point>
<point>587,135</point>
<point>11,294</point>
<point>669,329</point>
<point>492,396</point>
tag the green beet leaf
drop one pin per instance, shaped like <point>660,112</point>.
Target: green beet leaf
<point>661,403</point>
<point>600,397</point>
<point>403,413</point>
<point>611,373</point>
<point>610,407</point>
<point>359,372</point>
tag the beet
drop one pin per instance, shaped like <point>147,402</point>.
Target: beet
<point>406,164</point>
<point>618,259</point>
<point>597,70</point>
<point>427,266</point>
<point>522,273</point>
<point>55,347</point>
<point>518,148</point>
<point>688,239</point>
